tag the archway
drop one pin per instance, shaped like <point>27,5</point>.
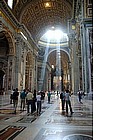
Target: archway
<point>60,74</point>
<point>4,53</point>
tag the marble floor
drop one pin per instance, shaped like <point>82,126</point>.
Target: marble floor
<point>52,124</point>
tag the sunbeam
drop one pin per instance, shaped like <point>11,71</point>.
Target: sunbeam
<point>43,67</point>
<point>55,36</point>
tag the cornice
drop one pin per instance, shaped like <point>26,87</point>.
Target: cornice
<point>6,13</point>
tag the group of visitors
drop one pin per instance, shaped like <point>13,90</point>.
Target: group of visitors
<point>32,100</point>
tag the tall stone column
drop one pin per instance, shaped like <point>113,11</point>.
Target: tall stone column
<point>24,50</point>
<point>86,58</point>
<point>69,77</point>
<point>35,72</point>
<point>11,73</point>
<point>74,67</point>
<point>18,63</point>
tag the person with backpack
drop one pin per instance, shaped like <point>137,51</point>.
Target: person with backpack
<point>62,97</point>
<point>49,96</point>
<point>23,98</point>
<point>80,96</point>
<point>15,99</point>
<point>11,96</point>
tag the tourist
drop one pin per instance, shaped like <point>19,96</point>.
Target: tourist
<point>38,99</point>
<point>15,99</point>
<point>68,102</point>
<point>22,97</point>
<point>29,98</point>
<point>62,97</point>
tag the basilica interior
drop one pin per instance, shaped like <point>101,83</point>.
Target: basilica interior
<point>46,45</point>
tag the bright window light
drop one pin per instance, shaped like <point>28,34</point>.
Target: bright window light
<point>23,35</point>
<point>54,34</point>
<point>10,3</point>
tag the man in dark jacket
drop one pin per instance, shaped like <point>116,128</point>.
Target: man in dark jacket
<point>15,99</point>
<point>62,97</point>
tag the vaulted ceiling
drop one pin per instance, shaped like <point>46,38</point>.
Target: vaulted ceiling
<point>40,15</point>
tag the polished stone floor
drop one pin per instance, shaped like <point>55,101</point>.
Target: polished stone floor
<point>52,124</point>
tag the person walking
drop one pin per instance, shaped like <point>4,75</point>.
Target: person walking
<point>49,96</point>
<point>38,99</point>
<point>42,95</point>
<point>80,96</point>
<point>68,102</point>
<point>22,97</point>
<point>57,93</point>
<point>11,96</point>
<point>62,97</point>
<point>15,99</point>
<point>29,98</point>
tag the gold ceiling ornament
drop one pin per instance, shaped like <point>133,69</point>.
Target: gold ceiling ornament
<point>47,4</point>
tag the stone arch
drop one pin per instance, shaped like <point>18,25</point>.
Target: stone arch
<point>7,48</point>
<point>60,50</point>
<point>60,73</point>
<point>11,41</point>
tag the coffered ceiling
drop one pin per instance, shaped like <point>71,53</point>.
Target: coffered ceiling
<point>40,15</point>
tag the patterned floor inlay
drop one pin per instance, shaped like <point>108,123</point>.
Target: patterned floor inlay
<point>45,134</point>
<point>4,118</point>
<point>45,107</point>
<point>9,111</point>
<point>69,121</point>
<point>10,132</point>
<point>77,108</point>
<point>78,137</point>
<point>75,114</point>
<point>51,124</point>
<point>28,119</point>
<point>81,108</point>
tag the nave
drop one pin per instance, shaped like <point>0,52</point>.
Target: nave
<point>52,124</point>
